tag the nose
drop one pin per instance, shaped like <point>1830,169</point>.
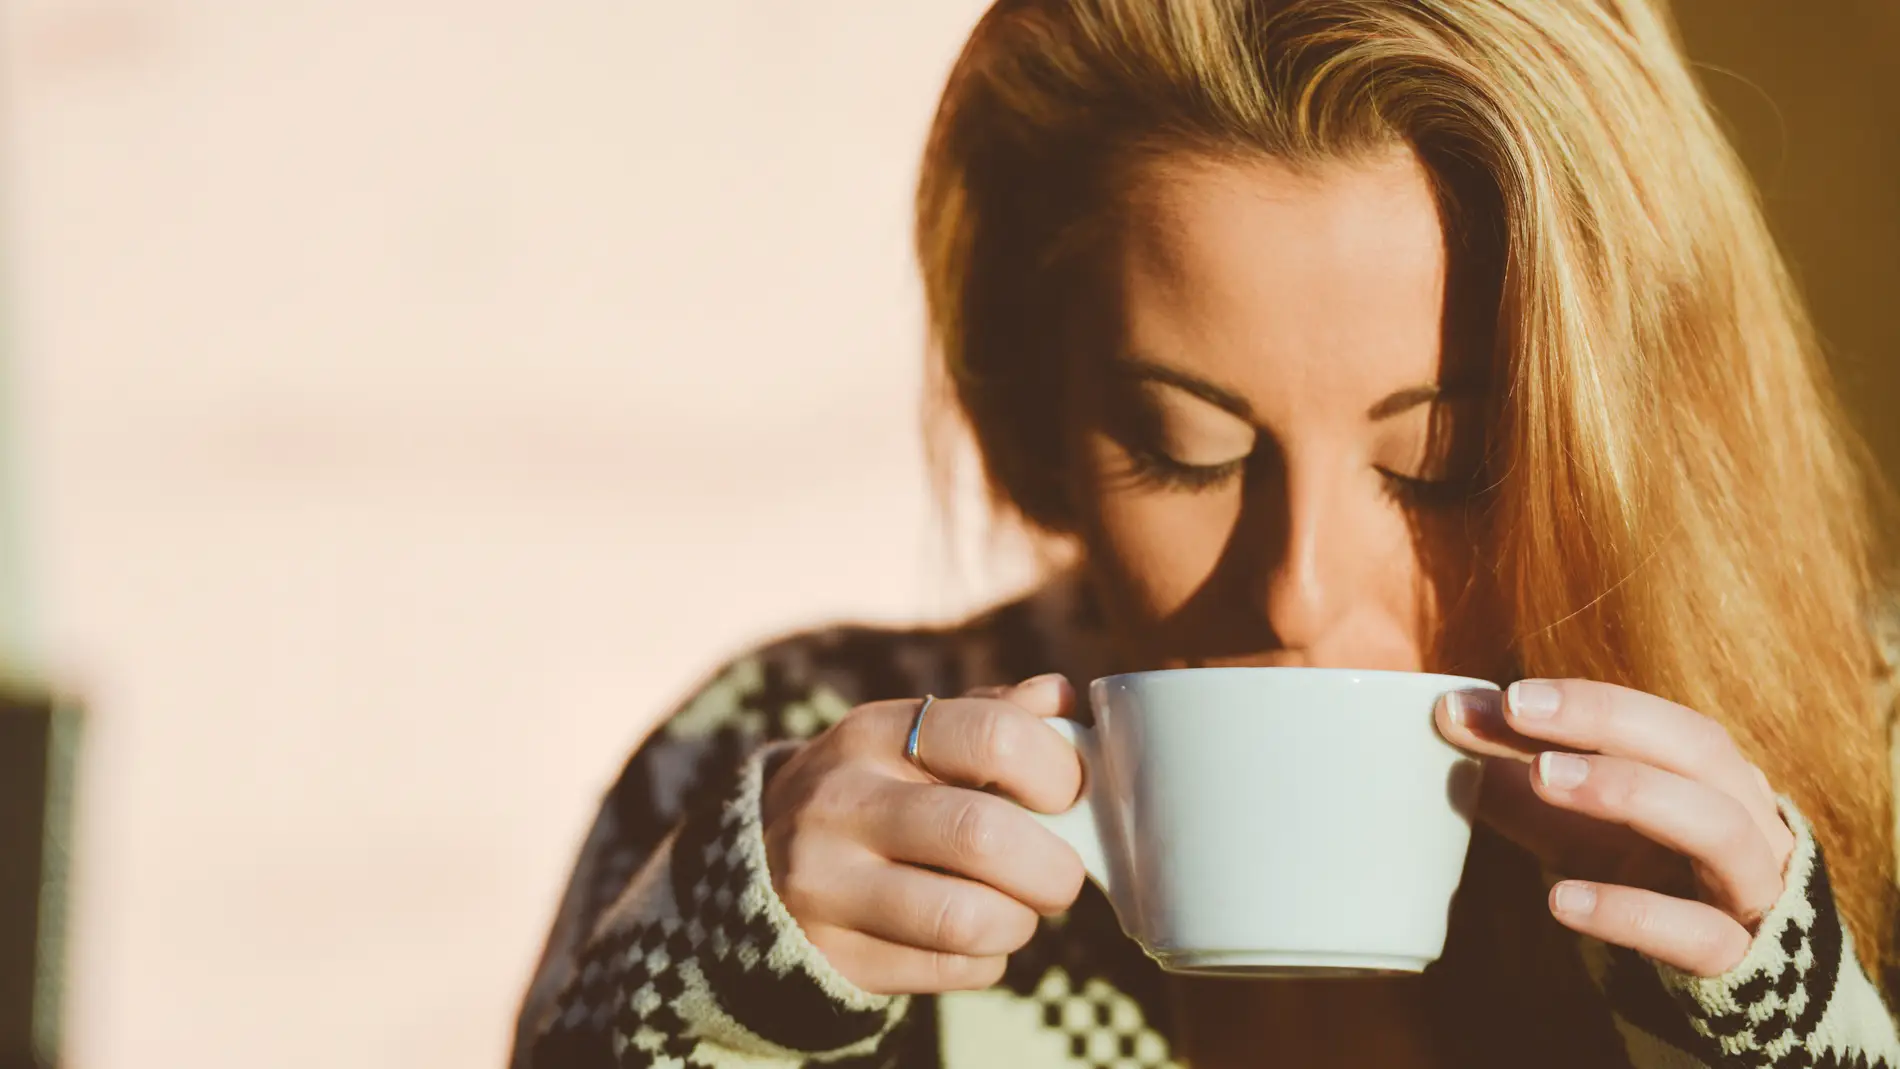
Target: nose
<point>1308,576</point>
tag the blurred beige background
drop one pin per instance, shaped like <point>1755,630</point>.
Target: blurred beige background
<point>419,397</point>
<point>414,398</point>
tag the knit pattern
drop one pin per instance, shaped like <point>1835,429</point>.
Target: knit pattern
<point>1798,998</point>
<point>672,950</point>
<point>698,963</point>
<point>1776,1007</point>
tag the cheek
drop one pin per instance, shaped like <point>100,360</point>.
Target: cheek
<point>1158,546</point>
<point>1165,546</point>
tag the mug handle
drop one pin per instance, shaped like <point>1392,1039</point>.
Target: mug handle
<point>1078,826</point>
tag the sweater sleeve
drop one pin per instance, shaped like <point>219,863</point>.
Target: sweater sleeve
<point>671,947</point>
<point>1799,997</point>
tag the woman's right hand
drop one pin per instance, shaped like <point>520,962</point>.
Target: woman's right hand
<point>915,883</point>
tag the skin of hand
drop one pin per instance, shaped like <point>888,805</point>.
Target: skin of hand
<point>1674,840</point>
<point>914,882</point>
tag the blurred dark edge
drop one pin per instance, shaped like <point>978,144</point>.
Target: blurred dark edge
<point>1806,92</point>
<point>39,737</point>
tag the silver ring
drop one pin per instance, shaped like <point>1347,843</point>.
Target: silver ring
<point>916,734</point>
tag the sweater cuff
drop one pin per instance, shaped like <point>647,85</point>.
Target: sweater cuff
<point>1798,990</point>
<point>707,959</point>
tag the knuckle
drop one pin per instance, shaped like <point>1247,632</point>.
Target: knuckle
<point>801,883</point>
<point>1592,705</point>
<point>997,741</point>
<point>1584,708</point>
<point>1643,919</point>
<point>974,833</point>
<point>1740,836</point>
<point>1709,740</point>
<point>1613,787</point>
<point>955,924</point>
<point>834,799</point>
<point>947,970</point>
<point>859,727</point>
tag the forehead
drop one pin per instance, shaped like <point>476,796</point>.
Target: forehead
<point>1309,292</point>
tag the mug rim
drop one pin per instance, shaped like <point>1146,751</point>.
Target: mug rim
<point>1465,682</point>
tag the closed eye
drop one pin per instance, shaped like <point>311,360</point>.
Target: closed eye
<point>1411,491</point>
<point>1156,470</point>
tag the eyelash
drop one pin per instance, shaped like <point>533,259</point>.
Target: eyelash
<point>1159,471</point>
<point>1428,493</point>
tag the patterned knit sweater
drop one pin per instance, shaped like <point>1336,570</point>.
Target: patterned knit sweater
<point>671,949</point>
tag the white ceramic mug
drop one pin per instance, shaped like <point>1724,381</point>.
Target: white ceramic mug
<point>1274,821</point>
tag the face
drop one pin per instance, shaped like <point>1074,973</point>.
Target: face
<point>1277,443</point>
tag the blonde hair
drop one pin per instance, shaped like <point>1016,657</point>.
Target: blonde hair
<point>1678,507</point>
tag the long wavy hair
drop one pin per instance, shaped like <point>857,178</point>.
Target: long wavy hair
<point>1678,505</point>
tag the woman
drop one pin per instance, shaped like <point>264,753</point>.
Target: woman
<point>1415,334</point>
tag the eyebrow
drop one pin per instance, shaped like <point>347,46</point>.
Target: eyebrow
<point>1219,396</point>
<point>1404,401</point>
<point>1395,404</point>
<point>1411,397</point>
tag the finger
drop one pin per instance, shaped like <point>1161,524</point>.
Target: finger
<point>1569,842</point>
<point>1692,936</point>
<point>1733,861</point>
<point>1585,715</point>
<point>885,968</point>
<point>1474,721</point>
<point>995,744</point>
<point>1043,696</point>
<point>914,907</point>
<point>977,836</point>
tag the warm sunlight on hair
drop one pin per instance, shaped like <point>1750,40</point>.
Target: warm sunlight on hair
<point>1647,336</point>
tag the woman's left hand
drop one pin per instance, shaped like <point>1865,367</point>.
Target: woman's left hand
<point>1673,838</point>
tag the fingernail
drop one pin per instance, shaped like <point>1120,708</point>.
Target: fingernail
<point>1456,710</point>
<point>1050,681</point>
<point>1576,899</point>
<point>1561,770</point>
<point>1480,712</point>
<point>1532,700</point>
